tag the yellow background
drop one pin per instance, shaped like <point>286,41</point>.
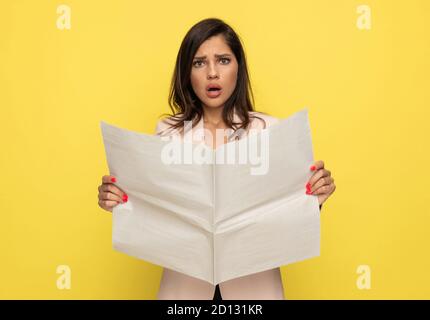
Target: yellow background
<point>368,97</point>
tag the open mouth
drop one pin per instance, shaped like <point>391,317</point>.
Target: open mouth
<point>213,90</point>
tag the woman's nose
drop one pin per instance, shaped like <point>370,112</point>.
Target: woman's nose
<point>212,71</point>
<point>210,76</point>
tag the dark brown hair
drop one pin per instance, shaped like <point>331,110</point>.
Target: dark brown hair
<point>183,101</point>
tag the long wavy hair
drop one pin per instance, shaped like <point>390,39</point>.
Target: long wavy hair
<point>183,101</point>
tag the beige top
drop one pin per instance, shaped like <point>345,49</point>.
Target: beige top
<point>262,285</point>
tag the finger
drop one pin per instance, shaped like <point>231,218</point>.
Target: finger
<point>109,196</point>
<point>114,189</point>
<point>317,165</point>
<point>316,176</point>
<point>325,189</point>
<point>108,179</point>
<point>107,204</point>
<point>326,180</point>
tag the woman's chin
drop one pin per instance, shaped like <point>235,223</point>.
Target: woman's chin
<point>213,104</point>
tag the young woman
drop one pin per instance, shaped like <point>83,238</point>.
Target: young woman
<point>211,88</point>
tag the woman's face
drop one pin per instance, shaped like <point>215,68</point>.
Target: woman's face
<point>214,64</point>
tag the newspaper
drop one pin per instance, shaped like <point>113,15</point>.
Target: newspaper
<point>216,214</point>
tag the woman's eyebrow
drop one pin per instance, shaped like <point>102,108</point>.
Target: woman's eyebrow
<point>216,55</point>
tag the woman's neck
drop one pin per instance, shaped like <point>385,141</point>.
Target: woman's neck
<point>213,115</point>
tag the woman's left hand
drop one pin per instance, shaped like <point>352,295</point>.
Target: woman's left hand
<point>321,183</point>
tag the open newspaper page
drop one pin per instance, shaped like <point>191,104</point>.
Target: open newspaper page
<point>263,218</point>
<point>215,214</point>
<point>167,219</point>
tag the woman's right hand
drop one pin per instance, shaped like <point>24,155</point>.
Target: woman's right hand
<point>109,194</point>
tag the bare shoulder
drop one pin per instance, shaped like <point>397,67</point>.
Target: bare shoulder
<point>262,120</point>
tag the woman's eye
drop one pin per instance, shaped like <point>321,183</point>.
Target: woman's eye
<point>196,62</point>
